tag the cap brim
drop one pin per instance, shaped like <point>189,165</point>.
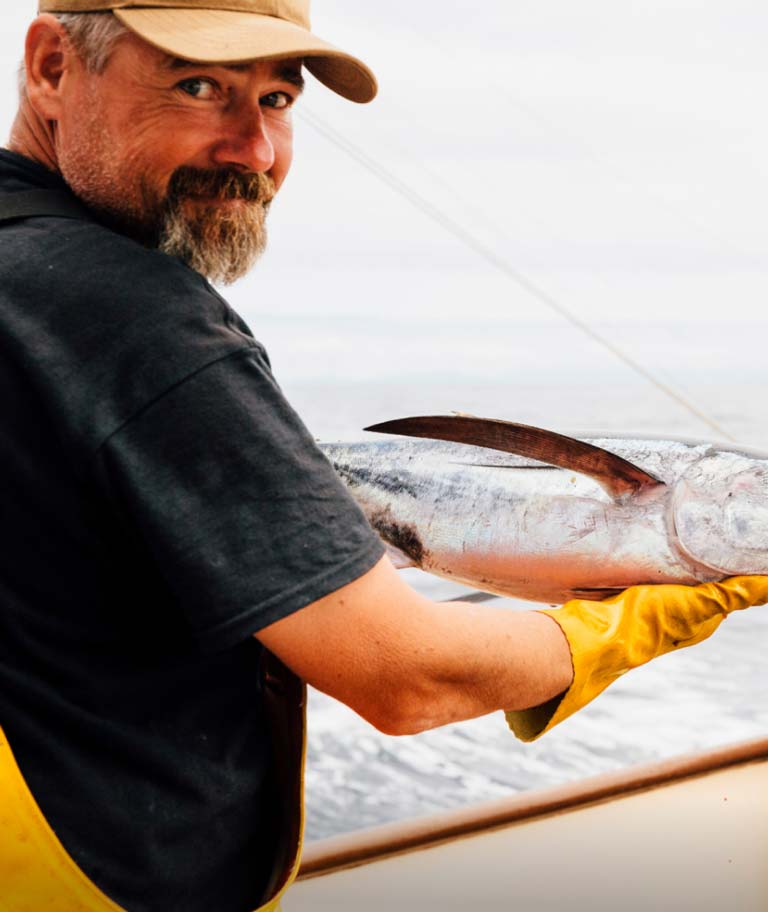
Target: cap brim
<point>224,36</point>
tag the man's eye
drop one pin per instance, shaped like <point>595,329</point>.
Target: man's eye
<point>204,89</point>
<point>277,100</point>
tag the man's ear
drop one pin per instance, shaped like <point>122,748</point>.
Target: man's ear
<point>48,54</point>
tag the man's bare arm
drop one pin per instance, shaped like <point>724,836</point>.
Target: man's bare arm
<point>407,664</point>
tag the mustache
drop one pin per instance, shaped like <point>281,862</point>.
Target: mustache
<point>221,183</point>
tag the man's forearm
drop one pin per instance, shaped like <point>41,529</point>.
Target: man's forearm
<point>406,663</point>
<point>477,660</point>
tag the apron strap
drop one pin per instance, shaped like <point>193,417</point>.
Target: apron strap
<point>35,870</point>
<point>40,203</point>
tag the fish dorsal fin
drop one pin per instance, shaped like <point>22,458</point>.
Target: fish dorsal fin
<point>614,474</point>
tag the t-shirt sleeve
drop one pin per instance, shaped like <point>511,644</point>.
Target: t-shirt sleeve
<point>241,513</point>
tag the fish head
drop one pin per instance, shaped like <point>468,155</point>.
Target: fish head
<point>720,513</point>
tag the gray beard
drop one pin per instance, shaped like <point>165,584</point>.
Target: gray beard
<point>219,244</point>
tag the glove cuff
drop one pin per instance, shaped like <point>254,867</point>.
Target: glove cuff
<point>606,640</point>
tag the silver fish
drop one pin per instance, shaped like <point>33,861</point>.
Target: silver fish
<point>556,517</point>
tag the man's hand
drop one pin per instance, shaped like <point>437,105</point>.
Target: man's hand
<point>611,637</point>
<point>407,664</point>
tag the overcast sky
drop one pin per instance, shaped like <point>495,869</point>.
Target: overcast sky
<point>615,153</point>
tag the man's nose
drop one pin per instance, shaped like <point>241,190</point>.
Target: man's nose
<point>247,144</point>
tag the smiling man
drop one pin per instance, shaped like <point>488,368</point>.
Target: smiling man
<point>185,193</point>
<point>178,555</point>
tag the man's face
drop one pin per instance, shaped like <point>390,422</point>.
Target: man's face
<point>184,157</point>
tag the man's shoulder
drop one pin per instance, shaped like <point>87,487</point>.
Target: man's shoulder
<point>76,271</point>
<point>103,324</point>
<point>67,254</point>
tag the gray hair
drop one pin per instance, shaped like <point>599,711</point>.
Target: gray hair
<point>93,37</point>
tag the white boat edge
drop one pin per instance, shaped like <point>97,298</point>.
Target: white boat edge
<point>689,832</point>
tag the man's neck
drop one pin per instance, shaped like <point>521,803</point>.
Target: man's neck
<point>33,138</point>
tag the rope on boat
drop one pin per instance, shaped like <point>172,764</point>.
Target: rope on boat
<point>470,240</point>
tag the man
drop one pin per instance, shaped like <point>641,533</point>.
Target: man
<point>174,539</point>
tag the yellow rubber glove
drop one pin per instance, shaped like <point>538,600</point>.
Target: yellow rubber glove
<point>609,638</point>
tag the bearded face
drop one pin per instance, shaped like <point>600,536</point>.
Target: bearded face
<point>188,166</point>
<point>213,220</point>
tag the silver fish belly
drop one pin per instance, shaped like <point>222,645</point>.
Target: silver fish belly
<point>513,525</point>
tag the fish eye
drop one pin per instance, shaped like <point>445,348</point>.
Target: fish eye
<point>198,87</point>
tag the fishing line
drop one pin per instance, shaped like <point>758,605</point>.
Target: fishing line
<point>470,240</point>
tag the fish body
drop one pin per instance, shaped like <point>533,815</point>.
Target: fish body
<point>513,525</point>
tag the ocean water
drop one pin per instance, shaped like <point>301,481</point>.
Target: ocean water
<point>713,694</point>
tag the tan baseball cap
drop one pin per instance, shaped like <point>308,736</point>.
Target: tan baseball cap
<point>234,31</point>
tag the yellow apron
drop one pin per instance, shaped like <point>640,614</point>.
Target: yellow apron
<point>37,874</point>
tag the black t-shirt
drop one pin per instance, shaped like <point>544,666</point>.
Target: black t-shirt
<point>159,503</point>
